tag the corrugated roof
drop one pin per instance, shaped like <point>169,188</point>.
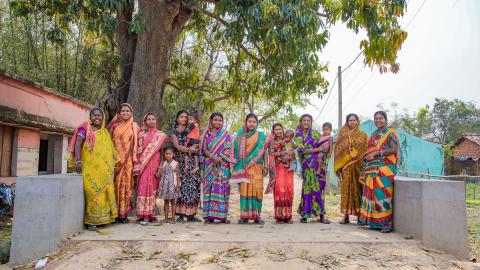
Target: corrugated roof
<point>473,137</point>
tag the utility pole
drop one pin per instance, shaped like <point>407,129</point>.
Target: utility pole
<point>340,117</point>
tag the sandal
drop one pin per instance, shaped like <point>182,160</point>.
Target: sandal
<point>209,221</point>
<point>194,219</point>
<point>242,221</point>
<point>289,222</point>
<point>386,230</point>
<point>324,220</point>
<point>259,221</point>
<point>180,219</point>
<point>344,221</point>
<point>303,220</point>
<point>92,228</point>
<point>226,221</point>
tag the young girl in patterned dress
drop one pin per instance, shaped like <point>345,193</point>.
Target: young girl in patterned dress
<point>169,184</point>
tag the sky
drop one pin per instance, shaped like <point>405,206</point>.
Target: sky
<point>439,59</point>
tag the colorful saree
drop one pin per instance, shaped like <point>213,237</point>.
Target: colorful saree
<point>312,202</point>
<point>249,146</point>
<point>98,159</point>
<point>216,189</point>
<point>281,183</point>
<point>148,160</point>
<point>350,148</point>
<point>377,200</point>
<point>124,135</point>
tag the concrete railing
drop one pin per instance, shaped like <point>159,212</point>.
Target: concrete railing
<point>434,212</point>
<point>47,209</point>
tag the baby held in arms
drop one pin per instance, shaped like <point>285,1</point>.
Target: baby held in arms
<point>290,147</point>
<point>193,141</point>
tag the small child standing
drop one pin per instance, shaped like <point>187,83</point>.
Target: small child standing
<point>193,139</point>
<point>326,142</point>
<point>169,183</point>
<point>290,148</point>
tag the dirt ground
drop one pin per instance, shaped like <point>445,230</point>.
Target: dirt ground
<point>268,250</point>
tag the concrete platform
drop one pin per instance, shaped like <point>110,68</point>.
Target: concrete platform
<point>234,233</point>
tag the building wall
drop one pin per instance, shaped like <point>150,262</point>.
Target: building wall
<point>60,110</point>
<point>26,152</point>
<point>37,113</point>
<point>467,148</point>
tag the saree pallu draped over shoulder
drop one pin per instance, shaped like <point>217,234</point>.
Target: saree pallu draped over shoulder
<point>249,146</point>
<point>124,135</point>
<point>350,148</point>
<point>312,202</point>
<point>216,190</point>
<point>98,157</point>
<point>377,200</point>
<point>280,183</point>
<point>148,161</point>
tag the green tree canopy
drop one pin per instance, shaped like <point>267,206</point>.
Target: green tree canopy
<point>212,50</point>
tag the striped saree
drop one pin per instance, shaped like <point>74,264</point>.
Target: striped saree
<point>249,146</point>
<point>377,200</point>
<point>216,191</point>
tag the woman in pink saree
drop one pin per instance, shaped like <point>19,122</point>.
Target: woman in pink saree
<point>150,142</point>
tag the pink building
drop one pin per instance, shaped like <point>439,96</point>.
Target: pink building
<point>35,125</point>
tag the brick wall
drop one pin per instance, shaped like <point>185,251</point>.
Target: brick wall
<point>467,148</point>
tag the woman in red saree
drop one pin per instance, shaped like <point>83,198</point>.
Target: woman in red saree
<point>281,178</point>
<point>150,142</point>
<point>124,135</point>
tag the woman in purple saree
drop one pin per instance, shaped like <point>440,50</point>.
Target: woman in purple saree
<point>216,147</point>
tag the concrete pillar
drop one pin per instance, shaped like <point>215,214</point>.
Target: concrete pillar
<point>48,208</point>
<point>433,211</point>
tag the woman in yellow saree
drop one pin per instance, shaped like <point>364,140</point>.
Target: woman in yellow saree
<point>350,148</point>
<point>124,135</point>
<point>95,158</point>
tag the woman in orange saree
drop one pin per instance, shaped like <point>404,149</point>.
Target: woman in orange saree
<point>150,142</point>
<point>124,135</point>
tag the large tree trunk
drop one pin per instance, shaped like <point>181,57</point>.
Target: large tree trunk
<point>151,67</point>
<point>126,42</point>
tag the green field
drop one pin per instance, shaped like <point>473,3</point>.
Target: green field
<point>472,196</point>
<point>473,218</point>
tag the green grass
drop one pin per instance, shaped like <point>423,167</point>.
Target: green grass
<point>473,202</point>
<point>470,193</point>
<point>473,222</point>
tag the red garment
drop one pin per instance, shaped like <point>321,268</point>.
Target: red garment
<point>283,193</point>
<point>193,135</point>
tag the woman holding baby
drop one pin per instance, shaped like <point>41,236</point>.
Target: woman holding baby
<point>281,150</point>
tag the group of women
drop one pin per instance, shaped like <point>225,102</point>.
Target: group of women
<point>122,158</point>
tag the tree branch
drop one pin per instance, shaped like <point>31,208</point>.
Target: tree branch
<point>322,14</point>
<point>225,23</point>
